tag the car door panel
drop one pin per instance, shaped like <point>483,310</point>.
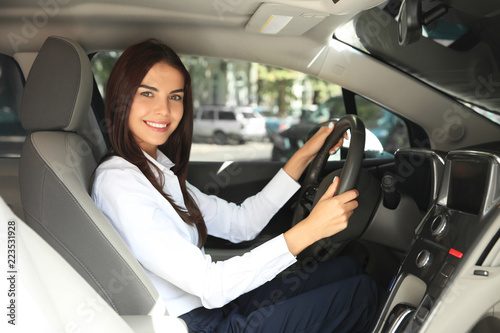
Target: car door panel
<point>232,181</point>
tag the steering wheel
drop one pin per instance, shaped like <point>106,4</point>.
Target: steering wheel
<point>312,190</point>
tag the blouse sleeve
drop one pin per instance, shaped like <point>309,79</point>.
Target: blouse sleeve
<point>164,244</point>
<point>243,222</point>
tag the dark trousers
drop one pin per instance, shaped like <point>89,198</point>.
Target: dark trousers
<point>331,296</point>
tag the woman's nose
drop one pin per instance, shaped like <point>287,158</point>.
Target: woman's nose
<point>162,108</point>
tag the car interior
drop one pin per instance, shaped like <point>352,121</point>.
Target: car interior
<point>428,223</point>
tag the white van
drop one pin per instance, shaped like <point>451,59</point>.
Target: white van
<point>224,123</point>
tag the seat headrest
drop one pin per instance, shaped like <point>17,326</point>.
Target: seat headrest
<point>58,91</point>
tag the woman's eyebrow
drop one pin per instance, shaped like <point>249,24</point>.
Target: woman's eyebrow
<point>156,89</point>
<point>148,87</point>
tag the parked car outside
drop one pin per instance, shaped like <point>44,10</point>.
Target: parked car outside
<point>225,123</point>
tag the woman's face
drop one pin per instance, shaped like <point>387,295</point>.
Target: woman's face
<point>157,107</point>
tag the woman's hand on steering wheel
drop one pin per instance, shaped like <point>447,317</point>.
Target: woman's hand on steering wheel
<point>329,216</point>
<point>331,213</point>
<point>317,141</point>
<point>299,161</point>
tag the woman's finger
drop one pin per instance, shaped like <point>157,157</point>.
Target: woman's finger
<point>339,144</point>
<point>348,195</point>
<point>330,191</point>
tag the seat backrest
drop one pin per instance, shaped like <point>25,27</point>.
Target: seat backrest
<point>57,161</point>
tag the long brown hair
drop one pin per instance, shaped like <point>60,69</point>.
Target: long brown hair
<point>126,76</point>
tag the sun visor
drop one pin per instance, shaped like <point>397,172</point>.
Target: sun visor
<point>276,19</point>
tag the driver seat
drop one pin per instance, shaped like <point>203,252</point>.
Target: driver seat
<point>57,162</point>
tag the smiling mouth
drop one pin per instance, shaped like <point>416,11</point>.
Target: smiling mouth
<point>156,125</point>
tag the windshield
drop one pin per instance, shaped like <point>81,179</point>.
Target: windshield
<point>456,52</point>
<point>249,115</point>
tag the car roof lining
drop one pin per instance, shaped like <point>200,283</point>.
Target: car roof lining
<point>83,18</point>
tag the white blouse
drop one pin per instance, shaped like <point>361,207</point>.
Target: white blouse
<point>185,277</point>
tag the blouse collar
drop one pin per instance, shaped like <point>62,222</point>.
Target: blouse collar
<point>162,161</point>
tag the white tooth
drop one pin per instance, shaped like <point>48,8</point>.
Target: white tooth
<point>156,125</point>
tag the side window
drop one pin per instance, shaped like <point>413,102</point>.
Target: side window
<point>227,115</point>
<point>249,115</point>
<point>208,115</point>
<point>12,134</point>
<point>389,129</point>
<point>332,108</point>
<point>102,63</point>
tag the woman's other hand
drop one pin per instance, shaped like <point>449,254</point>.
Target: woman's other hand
<point>302,157</point>
<point>330,216</point>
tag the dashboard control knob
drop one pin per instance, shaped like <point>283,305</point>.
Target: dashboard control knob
<point>424,259</point>
<point>439,225</point>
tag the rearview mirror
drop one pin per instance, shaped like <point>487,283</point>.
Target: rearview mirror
<point>409,22</point>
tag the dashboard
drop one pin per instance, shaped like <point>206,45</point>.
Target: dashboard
<point>457,236</point>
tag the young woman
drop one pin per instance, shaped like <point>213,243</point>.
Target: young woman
<point>164,220</point>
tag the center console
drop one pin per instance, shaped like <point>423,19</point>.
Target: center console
<point>457,217</point>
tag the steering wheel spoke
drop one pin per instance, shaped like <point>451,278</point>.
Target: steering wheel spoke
<point>310,193</point>
<point>306,199</point>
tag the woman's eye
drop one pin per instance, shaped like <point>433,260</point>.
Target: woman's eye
<point>176,97</point>
<point>147,93</point>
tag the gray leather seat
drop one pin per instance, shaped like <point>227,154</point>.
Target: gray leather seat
<point>57,162</point>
